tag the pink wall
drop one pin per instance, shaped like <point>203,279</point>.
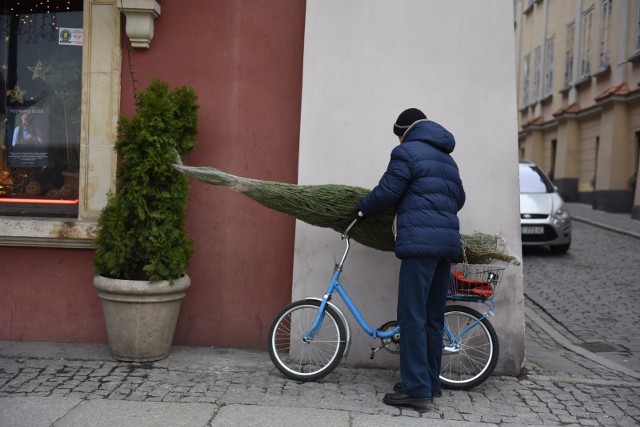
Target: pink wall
<point>244,59</point>
<point>47,295</point>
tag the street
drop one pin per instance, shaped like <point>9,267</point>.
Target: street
<point>591,294</point>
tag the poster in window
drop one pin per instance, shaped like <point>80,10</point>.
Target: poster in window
<point>28,137</point>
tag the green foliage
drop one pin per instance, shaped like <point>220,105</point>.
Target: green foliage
<point>332,205</point>
<point>142,235</point>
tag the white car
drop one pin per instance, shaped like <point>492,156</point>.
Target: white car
<point>544,219</point>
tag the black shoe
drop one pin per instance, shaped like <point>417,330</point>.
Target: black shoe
<point>399,386</point>
<point>404,400</point>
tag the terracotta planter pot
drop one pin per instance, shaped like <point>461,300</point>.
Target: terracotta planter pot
<point>140,316</point>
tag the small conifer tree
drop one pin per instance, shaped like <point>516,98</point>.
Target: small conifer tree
<point>141,231</point>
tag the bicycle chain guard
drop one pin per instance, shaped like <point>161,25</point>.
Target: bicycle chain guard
<point>392,345</point>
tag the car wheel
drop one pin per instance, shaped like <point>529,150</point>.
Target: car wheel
<point>560,249</point>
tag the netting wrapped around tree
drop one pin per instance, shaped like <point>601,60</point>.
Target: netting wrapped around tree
<point>332,205</point>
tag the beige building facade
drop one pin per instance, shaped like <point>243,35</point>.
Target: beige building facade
<point>578,75</point>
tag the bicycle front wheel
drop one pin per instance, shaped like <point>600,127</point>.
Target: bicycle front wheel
<point>468,356</point>
<point>312,359</point>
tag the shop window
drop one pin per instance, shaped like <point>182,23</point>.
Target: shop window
<point>43,220</point>
<point>40,113</point>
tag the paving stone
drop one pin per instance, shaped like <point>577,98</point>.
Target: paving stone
<point>589,422</point>
<point>567,419</point>
<point>628,422</point>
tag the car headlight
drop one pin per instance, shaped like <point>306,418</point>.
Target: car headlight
<point>561,216</point>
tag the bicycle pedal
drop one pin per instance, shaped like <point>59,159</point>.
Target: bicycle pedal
<point>373,352</point>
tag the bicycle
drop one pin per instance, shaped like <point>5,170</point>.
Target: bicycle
<point>309,337</point>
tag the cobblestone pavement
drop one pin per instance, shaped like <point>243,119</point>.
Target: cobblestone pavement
<point>592,292</point>
<point>225,379</point>
<point>586,296</point>
<point>578,368</point>
<point>501,400</point>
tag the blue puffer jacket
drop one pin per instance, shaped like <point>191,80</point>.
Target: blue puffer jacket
<point>423,183</point>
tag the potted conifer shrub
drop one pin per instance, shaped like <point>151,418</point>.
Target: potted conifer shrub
<point>142,248</point>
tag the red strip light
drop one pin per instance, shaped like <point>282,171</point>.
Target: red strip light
<point>41,201</point>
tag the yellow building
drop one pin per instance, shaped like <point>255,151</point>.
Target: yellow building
<point>578,68</point>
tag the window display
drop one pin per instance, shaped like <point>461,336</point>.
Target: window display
<point>40,88</point>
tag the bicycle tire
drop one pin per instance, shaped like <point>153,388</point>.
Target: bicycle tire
<point>473,361</point>
<point>312,360</point>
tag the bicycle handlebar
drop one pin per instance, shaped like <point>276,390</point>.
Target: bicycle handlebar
<point>345,235</point>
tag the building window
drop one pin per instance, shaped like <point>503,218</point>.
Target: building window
<point>525,81</point>
<point>605,26</point>
<point>568,56</point>
<point>548,67</point>
<point>40,86</point>
<point>537,72</point>
<point>585,44</point>
<point>101,62</point>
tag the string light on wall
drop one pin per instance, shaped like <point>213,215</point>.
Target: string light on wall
<point>39,6</point>
<point>25,10</point>
<point>31,22</point>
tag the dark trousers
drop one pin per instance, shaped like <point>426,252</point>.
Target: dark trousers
<point>422,297</point>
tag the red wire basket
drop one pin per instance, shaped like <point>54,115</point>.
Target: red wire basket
<point>475,281</point>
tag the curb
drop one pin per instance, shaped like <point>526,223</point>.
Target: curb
<point>594,382</point>
<point>563,341</point>
<point>605,226</point>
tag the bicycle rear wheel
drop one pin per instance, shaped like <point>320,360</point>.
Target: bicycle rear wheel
<point>313,359</point>
<point>467,359</point>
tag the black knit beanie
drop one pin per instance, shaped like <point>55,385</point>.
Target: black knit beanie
<point>406,119</point>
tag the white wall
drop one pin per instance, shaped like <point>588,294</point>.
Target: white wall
<point>364,62</point>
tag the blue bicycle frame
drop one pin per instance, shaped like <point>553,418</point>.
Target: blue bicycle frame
<point>336,286</point>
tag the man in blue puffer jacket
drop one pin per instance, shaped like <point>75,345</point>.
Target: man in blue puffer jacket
<point>423,184</point>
